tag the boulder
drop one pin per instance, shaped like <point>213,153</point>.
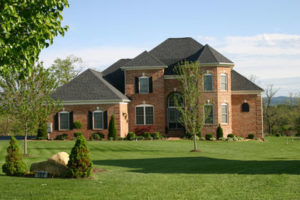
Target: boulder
<point>53,168</point>
<point>60,158</point>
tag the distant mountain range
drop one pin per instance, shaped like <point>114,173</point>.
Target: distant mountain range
<point>280,100</point>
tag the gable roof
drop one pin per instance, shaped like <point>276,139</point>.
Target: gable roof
<point>239,82</point>
<point>88,86</point>
<point>175,49</point>
<point>144,59</point>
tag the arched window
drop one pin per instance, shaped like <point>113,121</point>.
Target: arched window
<point>208,113</point>
<point>175,100</point>
<point>98,119</point>
<point>245,107</point>
<point>64,120</point>
<point>225,113</point>
<point>208,82</point>
<point>224,82</point>
<point>144,114</point>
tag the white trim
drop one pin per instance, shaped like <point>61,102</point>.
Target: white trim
<point>143,67</point>
<point>226,81</point>
<point>85,102</point>
<point>98,111</point>
<point>246,92</point>
<point>144,106</point>
<point>64,112</point>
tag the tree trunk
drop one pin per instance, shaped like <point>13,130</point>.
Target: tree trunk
<point>195,143</point>
<point>25,140</point>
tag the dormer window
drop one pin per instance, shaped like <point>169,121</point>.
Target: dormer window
<point>143,84</point>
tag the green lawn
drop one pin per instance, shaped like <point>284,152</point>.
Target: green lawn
<point>167,170</point>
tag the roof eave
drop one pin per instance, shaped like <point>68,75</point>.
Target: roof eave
<point>246,91</point>
<point>221,64</point>
<point>87,102</point>
<point>142,67</point>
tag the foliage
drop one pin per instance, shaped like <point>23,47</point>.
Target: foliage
<point>77,125</point>
<point>80,164</point>
<point>147,136</point>
<point>77,134</point>
<point>26,28</point>
<point>112,130</point>
<point>42,131</point>
<point>61,136</point>
<point>14,165</point>
<point>230,135</point>
<point>28,100</point>
<point>130,136</point>
<point>209,136</point>
<point>97,136</point>
<point>219,132</point>
<point>251,136</point>
<point>65,70</point>
<point>140,137</point>
<point>156,135</point>
<point>140,130</point>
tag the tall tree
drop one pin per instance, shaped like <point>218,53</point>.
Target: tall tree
<point>28,99</point>
<point>190,77</point>
<point>66,69</point>
<point>270,113</point>
<point>27,26</point>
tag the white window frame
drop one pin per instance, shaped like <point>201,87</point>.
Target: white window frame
<point>212,82</point>
<point>227,113</point>
<point>98,111</point>
<point>144,107</point>
<point>64,112</point>
<point>226,82</point>
<point>213,114</point>
<point>144,77</point>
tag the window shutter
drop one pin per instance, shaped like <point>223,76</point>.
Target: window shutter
<point>105,119</point>
<point>136,85</point>
<point>71,120</point>
<point>55,120</point>
<point>150,85</point>
<point>90,120</point>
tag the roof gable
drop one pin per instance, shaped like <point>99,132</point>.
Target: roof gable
<point>239,82</point>
<point>144,59</point>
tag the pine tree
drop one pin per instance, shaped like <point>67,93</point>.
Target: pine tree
<point>80,164</point>
<point>112,130</point>
<point>14,165</point>
<point>219,132</point>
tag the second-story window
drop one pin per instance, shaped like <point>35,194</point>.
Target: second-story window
<point>208,82</point>
<point>144,84</point>
<point>224,82</point>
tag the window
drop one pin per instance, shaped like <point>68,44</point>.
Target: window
<point>225,113</point>
<point>98,119</point>
<point>208,82</point>
<point>224,82</point>
<point>144,115</point>
<point>245,107</point>
<point>144,84</point>
<point>175,100</point>
<point>208,114</point>
<point>64,120</point>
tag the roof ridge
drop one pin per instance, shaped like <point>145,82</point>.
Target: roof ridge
<point>209,49</point>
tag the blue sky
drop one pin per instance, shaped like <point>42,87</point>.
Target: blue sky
<point>261,37</point>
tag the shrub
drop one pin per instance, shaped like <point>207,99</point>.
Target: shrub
<point>61,137</point>
<point>208,136</point>
<point>297,134</point>
<point>112,130</point>
<point>139,137</point>
<point>42,132</point>
<point>130,136</point>
<point>14,165</point>
<point>222,139</point>
<point>239,137</point>
<point>140,130</point>
<point>219,132</point>
<point>230,135</point>
<point>76,134</point>
<point>147,136</point>
<point>235,138</point>
<point>80,164</point>
<point>229,139</point>
<point>212,139</point>
<point>251,136</point>
<point>277,134</point>
<point>77,125</point>
<point>156,136</point>
<point>97,136</point>
<point>202,138</point>
<point>188,135</point>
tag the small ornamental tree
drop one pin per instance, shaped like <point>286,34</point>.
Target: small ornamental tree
<point>80,165</point>
<point>112,130</point>
<point>14,165</point>
<point>219,132</point>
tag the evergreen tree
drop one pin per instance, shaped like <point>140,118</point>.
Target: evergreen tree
<point>112,130</point>
<point>219,132</point>
<point>14,165</point>
<point>80,164</point>
<point>42,131</point>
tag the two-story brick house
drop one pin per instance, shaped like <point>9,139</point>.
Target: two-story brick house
<point>140,93</point>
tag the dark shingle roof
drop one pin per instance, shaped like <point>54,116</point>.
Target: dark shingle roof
<point>89,85</point>
<point>175,49</point>
<point>239,82</point>
<point>144,59</point>
<point>115,76</point>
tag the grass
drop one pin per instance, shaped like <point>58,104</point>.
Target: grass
<point>168,170</point>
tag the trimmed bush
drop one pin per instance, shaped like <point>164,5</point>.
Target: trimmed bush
<point>139,137</point>
<point>80,164</point>
<point>219,132</point>
<point>156,136</point>
<point>130,136</point>
<point>14,164</point>
<point>251,136</point>
<point>112,130</point>
<point>42,132</point>
<point>212,139</point>
<point>202,138</point>
<point>77,125</point>
<point>76,134</point>
<point>230,135</point>
<point>239,137</point>
<point>209,136</point>
<point>297,134</point>
<point>188,135</point>
<point>61,137</point>
<point>147,136</point>
<point>97,136</point>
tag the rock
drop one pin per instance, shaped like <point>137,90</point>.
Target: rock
<point>60,158</point>
<point>53,168</point>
